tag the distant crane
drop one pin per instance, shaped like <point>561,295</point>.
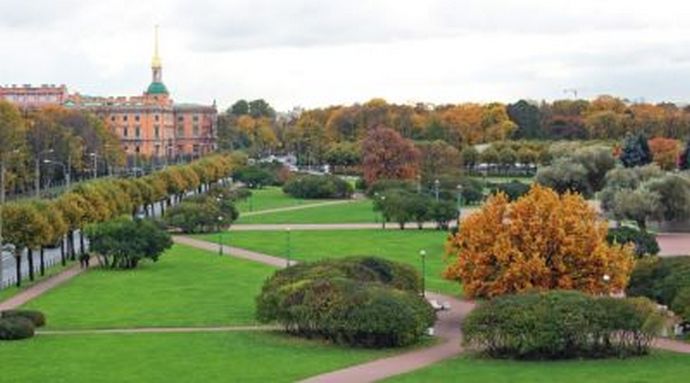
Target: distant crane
<point>572,91</point>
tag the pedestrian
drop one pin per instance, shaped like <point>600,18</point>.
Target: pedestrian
<point>87,259</point>
<point>82,260</point>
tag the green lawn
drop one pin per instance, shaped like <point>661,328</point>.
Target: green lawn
<point>9,292</point>
<point>397,245</point>
<point>201,357</point>
<point>659,367</point>
<point>270,198</point>
<point>187,287</point>
<point>353,212</point>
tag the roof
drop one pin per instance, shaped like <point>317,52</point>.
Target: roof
<point>157,88</point>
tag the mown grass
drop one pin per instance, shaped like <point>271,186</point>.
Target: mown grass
<point>360,211</point>
<point>165,358</point>
<point>270,198</point>
<point>187,287</point>
<point>659,367</point>
<point>403,246</point>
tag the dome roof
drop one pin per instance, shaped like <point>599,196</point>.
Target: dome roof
<point>157,88</point>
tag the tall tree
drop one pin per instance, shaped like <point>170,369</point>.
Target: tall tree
<point>387,155</point>
<point>527,118</point>
<point>542,241</point>
<point>636,151</point>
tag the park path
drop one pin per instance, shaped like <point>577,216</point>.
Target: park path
<point>232,251</point>
<point>41,287</point>
<point>158,330</point>
<point>297,207</point>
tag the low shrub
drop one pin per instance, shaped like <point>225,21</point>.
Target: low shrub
<point>665,280</point>
<point>381,186</point>
<point>311,186</point>
<point>256,176</point>
<point>645,243</point>
<point>359,301</point>
<point>16,328</point>
<point>560,325</point>
<point>513,189</point>
<point>35,316</point>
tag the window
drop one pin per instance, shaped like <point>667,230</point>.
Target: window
<point>126,148</point>
<point>112,118</point>
<point>136,118</point>
<point>156,117</point>
<point>125,132</point>
<point>195,118</point>
<point>195,149</point>
<point>180,118</point>
<point>156,131</point>
<point>124,118</point>
<point>136,149</point>
<point>180,131</point>
<point>137,132</point>
<point>158,150</point>
<point>195,131</point>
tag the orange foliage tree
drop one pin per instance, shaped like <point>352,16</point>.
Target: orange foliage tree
<point>665,152</point>
<point>387,155</point>
<point>542,241</point>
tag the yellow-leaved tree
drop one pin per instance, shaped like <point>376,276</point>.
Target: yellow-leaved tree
<point>541,241</point>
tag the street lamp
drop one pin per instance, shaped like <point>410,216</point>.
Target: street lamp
<point>95,163</point>
<point>419,184</point>
<point>220,235</point>
<point>287,245</point>
<point>383,219</point>
<point>436,185</point>
<point>65,169</point>
<point>37,163</point>
<point>459,202</point>
<point>422,254</point>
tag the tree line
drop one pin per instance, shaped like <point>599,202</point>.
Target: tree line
<point>35,224</point>
<point>321,133</point>
<point>40,147</point>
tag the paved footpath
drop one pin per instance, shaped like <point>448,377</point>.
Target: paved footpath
<point>40,288</point>
<point>298,207</point>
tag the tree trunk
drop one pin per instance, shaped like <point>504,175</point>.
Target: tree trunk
<point>18,266</point>
<point>642,224</point>
<point>81,242</point>
<point>162,208</point>
<point>30,255</point>
<point>63,261</point>
<point>72,251</point>
<point>42,261</point>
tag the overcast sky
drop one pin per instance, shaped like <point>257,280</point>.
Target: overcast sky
<point>317,52</point>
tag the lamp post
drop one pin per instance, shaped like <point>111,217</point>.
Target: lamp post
<point>437,183</point>
<point>422,254</point>
<point>95,163</point>
<point>65,170</point>
<point>220,235</point>
<point>383,218</point>
<point>37,163</point>
<point>459,202</point>
<point>419,184</point>
<point>287,245</point>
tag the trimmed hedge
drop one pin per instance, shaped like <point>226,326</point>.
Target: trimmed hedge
<point>311,186</point>
<point>35,316</point>
<point>665,280</point>
<point>645,243</point>
<point>16,328</point>
<point>561,325</point>
<point>360,301</point>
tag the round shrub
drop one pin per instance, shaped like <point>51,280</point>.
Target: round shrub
<point>35,316</point>
<point>311,186</point>
<point>15,328</point>
<point>561,324</point>
<point>363,301</point>
<point>645,243</point>
<point>665,280</point>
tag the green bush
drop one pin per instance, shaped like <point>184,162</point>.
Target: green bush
<point>560,325</point>
<point>358,301</point>
<point>381,186</point>
<point>645,242</point>
<point>513,189</point>
<point>255,176</point>
<point>664,280</point>
<point>15,328</point>
<point>35,316</point>
<point>311,186</point>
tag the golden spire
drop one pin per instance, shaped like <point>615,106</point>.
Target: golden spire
<point>156,62</point>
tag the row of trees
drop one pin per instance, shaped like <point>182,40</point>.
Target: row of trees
<point>37,224</point>
<point>315,134</point>
<point>38,146</point>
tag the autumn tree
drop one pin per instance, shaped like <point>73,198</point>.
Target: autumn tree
<point>542,241</point>
<point>437,158</point>
<point>387,155</point>
<point>665,152</point>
